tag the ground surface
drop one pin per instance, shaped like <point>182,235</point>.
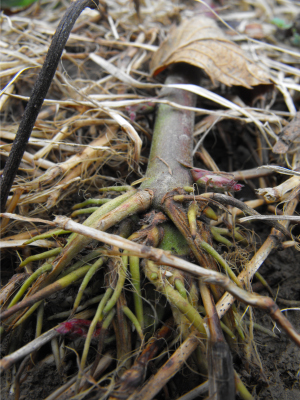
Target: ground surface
<point>280,358</point>
<point>278,375</point>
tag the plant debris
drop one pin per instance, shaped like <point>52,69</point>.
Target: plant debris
<point>126,274</point>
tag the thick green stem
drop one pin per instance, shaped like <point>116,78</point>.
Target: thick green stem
<point>172,137</point>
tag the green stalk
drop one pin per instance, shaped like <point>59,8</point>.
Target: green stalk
<point>82,211</point>
<point>88,202</point>
<point>241,388</point>
<point>115,189</point>
<point>264,282</point>
<point>55,352</point>
<point>234,232</point>
<point>47,235</point>
<point>28,313</point>
<point>192,217</point>
<point>175,298</point>
<point>77,242</point>
<point>84,260</point>
<point>262,329</point>
<point>179,286</point>
<point>209,249</point>
<point>39,320</point>
<point>96,319</point>
<point>44,268</point>
<point>238,323</point>
<point>227,330</point>
<point>209,212</point>
<point>93,219</point>
<point>134,265</point>
<point>129,314</point>
<point>219,238</point>
<point>223,326</point>
<point>66,314</point>
<point>93,269</point>
<point>41,256</point>
<point>47,291</point>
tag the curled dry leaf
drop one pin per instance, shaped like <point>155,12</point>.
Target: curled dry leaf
<point>200,42</point>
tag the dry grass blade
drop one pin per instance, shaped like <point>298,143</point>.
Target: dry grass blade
<point>291,218</point>
<point>39,93</point>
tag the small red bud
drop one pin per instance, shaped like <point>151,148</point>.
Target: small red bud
<point>214,181</point>
<point>144,108</point>
<point>76,328</point>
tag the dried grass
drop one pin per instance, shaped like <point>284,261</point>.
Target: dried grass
<point>84,138</point>
<point>126,47</point>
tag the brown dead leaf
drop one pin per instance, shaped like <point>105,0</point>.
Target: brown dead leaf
<point>288,136</point>
<point>200,42</point>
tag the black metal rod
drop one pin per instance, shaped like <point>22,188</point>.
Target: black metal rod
<point>38,95</point>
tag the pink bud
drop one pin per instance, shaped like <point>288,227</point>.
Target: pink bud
<point>77,328</point>
<point>144,108</point>
<point>211,180</point>
<point>132,116</point>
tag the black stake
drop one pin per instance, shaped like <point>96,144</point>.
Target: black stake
<point>38,95</point>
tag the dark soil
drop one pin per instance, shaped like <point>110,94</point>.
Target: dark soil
<point>280,358</point>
